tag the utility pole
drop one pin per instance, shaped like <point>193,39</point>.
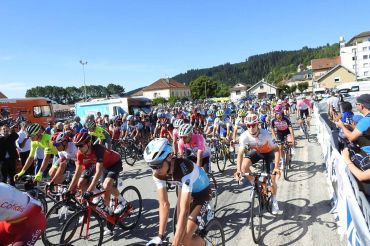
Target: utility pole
<point>83,69</point>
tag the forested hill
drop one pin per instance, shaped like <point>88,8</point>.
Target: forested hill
<point>274,66</point>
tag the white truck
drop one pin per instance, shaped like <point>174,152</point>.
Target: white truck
<point>113,107</point>
<point>355,89</point>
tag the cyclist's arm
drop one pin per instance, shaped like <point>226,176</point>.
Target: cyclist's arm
<point>184,207</point>
<point>76,176</point>
<point>181,147</point>
<point>292,133</point>
<point>273,133</point>
<point>164,210</point>
<point>235,132</point>
<point>98,172</point>
<point>174,145</point>
<point>239,159</point>
<point>45,162</point>
<point>199,158</point>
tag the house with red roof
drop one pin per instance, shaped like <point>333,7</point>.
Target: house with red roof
<point>166,88</point>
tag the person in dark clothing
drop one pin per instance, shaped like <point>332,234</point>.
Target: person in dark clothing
<point>8,153</point>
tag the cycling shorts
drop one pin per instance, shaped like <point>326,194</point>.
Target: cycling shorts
<point>269,157</point>
<point>281,135</point>
<point>112,172</point>
<point>303,112</point>
<point>201,197</point>
<point>26,231</point>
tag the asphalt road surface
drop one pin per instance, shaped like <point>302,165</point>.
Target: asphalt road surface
<point>304,219</point>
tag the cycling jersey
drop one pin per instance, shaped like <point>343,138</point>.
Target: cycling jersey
<point>281,125</point>
<point>197,143</point>
<point>98,154</point>
<point>304,104</point>
<point>69,153</point>
<point>175,134</point>
<point>100,133</point>
<point>45,144</point>
<point>187,175</point>
<point>210,121</point>
<point>263,143</point>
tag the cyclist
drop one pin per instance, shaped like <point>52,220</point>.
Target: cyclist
<point>240,126</point>
<point>66,151</point>
<point>209,122</point>
<point>192,143</point>
<point>262,146</point>
<point>303,110</point>
<point>21,218</point>
<point>92,162</point>
<point>281,129</point>
<point>175,134</point>
<point>42,141</point>
<point>99,134</point>
<point>221,125</point>
<point>194,185</point>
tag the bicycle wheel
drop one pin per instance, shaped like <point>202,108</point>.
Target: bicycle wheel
<point>256,216</point>
<point>56,218</point>
<point>285,165</point>
<point>75,232</point>
<point>214,191</point>
<point>131,155</point>
<point>214,233</point>
<point>232,155</point>
<point>131,216</point>
<point>221,160</point>
<point>289,164</point>
<point>174,219</point>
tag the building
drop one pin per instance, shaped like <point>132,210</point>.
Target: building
<point>355,54</point>
<point>323,65</point>
<point>239,91</point>
<point>338,75</point>
<point>133,93</point>
<point>2,95</point>
<point>166,88</point>
<point>301,77</point>
<point>262,89</point>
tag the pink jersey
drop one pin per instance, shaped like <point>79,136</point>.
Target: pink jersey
<point>197,143</point>
<point>304,104</point>
<point>175,134</point>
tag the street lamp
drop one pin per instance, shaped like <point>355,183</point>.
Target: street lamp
<point>83,69</point>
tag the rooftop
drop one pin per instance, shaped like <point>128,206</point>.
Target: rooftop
<point>165,83</point>
<point>361,35</point>
<point>325,63</point>
<point>2,95</point>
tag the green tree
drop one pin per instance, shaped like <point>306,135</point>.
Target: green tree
<point>173,100</point>
<point>203,87</point>
<point>293,89</point>
<point>115,89</point>
<point>159,100</point>
<point>302,86</point>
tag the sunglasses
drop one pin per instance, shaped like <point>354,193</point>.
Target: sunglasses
<point>251,126</point>
<point>156,167</point>
<point>80,145</point>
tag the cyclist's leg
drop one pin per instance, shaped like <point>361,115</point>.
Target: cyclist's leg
<point>280,137</point>
<point>306,112</point>
<point>110,177</point>
<point>269,162</point>
<point>59,171</point>
<point>250,158</point>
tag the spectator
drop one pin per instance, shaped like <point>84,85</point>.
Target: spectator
<point>20,117</point>
<point>8,153</point>
<point>76,125</point>
<point>99,118</point>
<point>333,104</point>
<point>24,145</point>
<point>58,127</point>
<point>49,127</point>
<point>346,116</point>
<point>360,136</point>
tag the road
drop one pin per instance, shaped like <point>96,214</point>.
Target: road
<point>305,217</point>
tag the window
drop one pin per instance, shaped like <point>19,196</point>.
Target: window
<point>355,88</point>
<point>366,64</point>
<point>366,73</point>
<point>261,86</point>
<point>238,92</point>
<point>365,57</point>
<point>337,79</point>
<point>42,111</point>
<point>364,48</point>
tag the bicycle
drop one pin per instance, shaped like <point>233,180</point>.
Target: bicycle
<point>286,158</point>
<point>93,215</point>
<point>260,201</point>
<point>304,128</point>
<point>207,223</point>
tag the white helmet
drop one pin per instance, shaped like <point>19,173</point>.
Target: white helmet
<point>251,119</point>
<point>157,151</point>
<point>185,130</point>
<point>178,122</point>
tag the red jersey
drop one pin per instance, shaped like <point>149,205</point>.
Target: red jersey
<point>98,154</point>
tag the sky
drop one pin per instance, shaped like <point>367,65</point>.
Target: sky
<point>134,43</point>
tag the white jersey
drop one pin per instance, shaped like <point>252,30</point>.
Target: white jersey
<point>263,143</point>
<point>69,154</point>
<point>13,203</point>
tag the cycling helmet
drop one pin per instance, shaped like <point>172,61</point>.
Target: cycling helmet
<point>178,122</point>
<point>130,117</point>
<point>242,113</point>
<point>33,129</point>
<point>81,138</point>
<point>251,119</point>
<point>59,137</point>
<point>220,113</point>
<point>209,112</point>
<point>185,130</point>
<point>157,151</point>
<point>90,124</point>
<point>278,108</point>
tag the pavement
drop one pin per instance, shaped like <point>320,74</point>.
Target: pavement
<point>304,219</point>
